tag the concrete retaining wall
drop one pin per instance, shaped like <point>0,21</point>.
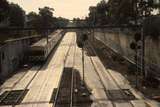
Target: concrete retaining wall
<point>13,54</point>
<point>120,43</point>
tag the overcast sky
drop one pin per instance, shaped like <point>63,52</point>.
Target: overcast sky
<point>65,8</point>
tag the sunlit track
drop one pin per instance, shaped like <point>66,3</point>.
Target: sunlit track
<point>109,75</point>
<point>42,86</point>
<point>69,64</point>
<point>19,85</point>
<point>72,80</point>
<point>63,72</point>
<point>71,48</point>
<point>117,84</point>
<point>105,87</point>
<point>33,68</point>
<point>4,88</point>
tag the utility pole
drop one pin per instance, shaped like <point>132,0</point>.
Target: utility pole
<point>135,13</point>
<point>94,22</point>
<point>83,62</point>
<point>47,36</point>
<point>143,54</point>
<point>144,15</point>
<point>84,39</point>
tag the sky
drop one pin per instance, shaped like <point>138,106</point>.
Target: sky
<point>65,8</point>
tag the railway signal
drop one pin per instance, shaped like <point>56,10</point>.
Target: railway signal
<point>138,45</point>
<point>135,46</point>
<point>83,38</point>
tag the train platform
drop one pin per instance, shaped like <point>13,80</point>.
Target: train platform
<point>59,82</point>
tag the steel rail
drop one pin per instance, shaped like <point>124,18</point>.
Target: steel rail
<point>25,88</point>
<point>72,81</point>
<point>37,71</point>
<point>39,67</point>
<point>118,86</point>
<point>58,89</point>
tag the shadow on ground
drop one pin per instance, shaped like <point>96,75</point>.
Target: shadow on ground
<point>80,93</point>
<point>115,62</point>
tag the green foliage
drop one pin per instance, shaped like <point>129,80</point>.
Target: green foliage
<point>33,20</point>
<point>98,15</point>
<point>12,13</point>
<point>102,12</point>
<point>60,22</point>
<point>146,7</point>
<point>16,16</point>
<point>46,17</point>
<point>79,22</point>
<point>121,11</point>
<point>4,10</point>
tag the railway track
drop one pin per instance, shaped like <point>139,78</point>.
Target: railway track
<point>12,93</point>
<point>5,100</point>
<point>70,92</point>
<point>72,81</point>
<point>154,77</point>
<point>68,86</point>
<point>124,92</point>
<point>65,84</point>
<point>151,68</point>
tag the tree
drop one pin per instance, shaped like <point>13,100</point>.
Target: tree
<point>33,20</point>
<point>16,15</point>
<point>121,11</point>
<point>46,16</point>
<point>61,22</point>
<point>92,19</point>
<point>98,14</point>
<point>145,7</point>
<point>4,10</point>
<point>44,19</point>
<point>102,12</point>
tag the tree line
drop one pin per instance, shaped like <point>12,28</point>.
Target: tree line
<point>116,12</point>
<point>12,15</point>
